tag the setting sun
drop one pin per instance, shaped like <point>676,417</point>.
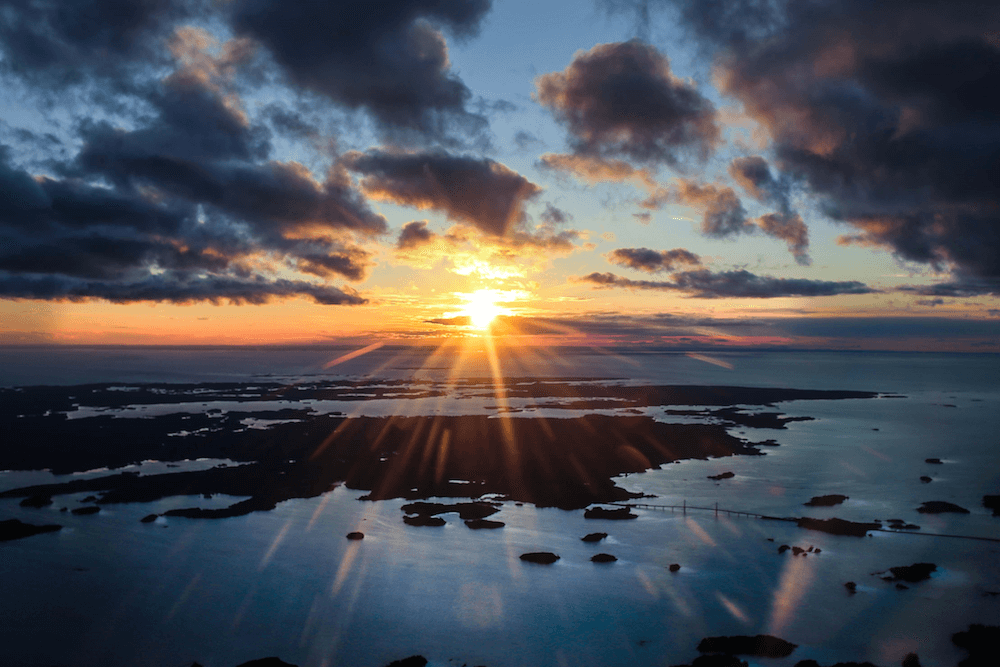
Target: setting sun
<point>482,307</point>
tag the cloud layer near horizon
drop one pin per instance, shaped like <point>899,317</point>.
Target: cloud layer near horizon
<point>706,284</point>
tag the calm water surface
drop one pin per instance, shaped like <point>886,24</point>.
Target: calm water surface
<point>108,590</point>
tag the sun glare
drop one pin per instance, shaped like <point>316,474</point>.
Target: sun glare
<point>481,307</point>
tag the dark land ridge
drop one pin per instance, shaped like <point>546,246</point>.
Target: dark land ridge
<point>34,418</point>
<point>526,460</point>
<point>12,529</point>
<point>764,646</point>
<point>566,463</point>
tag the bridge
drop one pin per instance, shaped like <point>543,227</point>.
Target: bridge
<point>684,508</point>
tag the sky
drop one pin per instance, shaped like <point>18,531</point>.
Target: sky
<point>673,174</point>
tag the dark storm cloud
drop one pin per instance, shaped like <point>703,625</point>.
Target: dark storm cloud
<point>48,207</point>
<point>181,208</point>
<point>70,240</point>
<point>652,261</point>
<point>889,112</point>
<point>201,148</point>
<point>216,289</point>
<point>475,191</point>
<point>175,197</point>
<point>622,100</point>
<point>389,59</point>
<point>273,196</point>
<point>194,122</point>
<point>101,257</point>
<point>414,234</point>
<point>706,284</point>
<point>65,42</point>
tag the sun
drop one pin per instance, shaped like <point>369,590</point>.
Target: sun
<point>481,307</point>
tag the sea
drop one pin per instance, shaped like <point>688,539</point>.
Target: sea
<point>110,591</point>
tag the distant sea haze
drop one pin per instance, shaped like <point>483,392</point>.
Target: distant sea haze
<point>864,371</point>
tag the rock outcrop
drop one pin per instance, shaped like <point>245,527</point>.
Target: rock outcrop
<point>540,557</point>
<point>826,501</point>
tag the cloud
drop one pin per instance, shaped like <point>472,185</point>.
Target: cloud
<point>415,234</point>
<point>553,216</point>
<point>467,250</point>
<point>591,170</point>
<point>201,148</point>
<point>217,289</point>
<point>652,261</point>
<point>102,257</point>
<point>182,206</point>
<point>888,112</point>
<point>723,213</point>
<point>459,321</point>
<point>888,328</point>
<point>706,284</point>
<point>67,237</point>
<point>674,331</point>
<point>526,140</point>
<point>754,175</point>
<point>955,288</point>
<point>621,100</point>
<point>475,191</point>
<point>62,43</point>
<point>789,228</point>
<point>351,263</point>
<point>36,208</point>
<point>392,63</point>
